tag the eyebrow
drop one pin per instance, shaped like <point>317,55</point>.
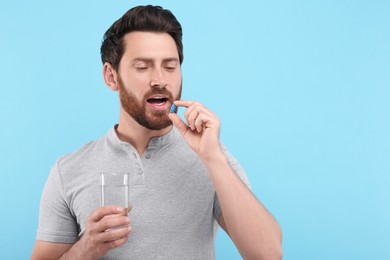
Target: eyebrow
<point>150,60</point>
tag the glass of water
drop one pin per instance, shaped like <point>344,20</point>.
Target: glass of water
<point>115,189</point>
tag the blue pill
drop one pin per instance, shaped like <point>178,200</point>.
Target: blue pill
<point>173,108</point>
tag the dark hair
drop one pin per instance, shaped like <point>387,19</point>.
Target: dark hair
<point>141,18</point>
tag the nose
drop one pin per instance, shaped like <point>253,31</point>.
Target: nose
<point>157,79</point>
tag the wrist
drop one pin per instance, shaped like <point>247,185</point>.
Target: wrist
<point>213,158</point>
<point>78,251</point>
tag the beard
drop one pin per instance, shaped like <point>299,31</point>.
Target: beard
<point>153,120</point>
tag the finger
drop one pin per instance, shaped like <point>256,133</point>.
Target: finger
<point>191,117</point>
<point>196,106</point>
<point>205,120</point>
<point>101,212</point>
<point>178,123</point>
<point>195,113</point>
<point>112,222</point>
<point>114,234</point>
<point>183,103</point>
<point>114,244</point>
<point>199,123</point>
<point>189,110</point>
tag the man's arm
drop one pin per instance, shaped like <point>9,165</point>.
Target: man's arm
<point>101,235</point>
<point>251,227</point>
<point>49,251</point>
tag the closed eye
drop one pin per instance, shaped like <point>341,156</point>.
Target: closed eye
<point>141,68</point>
<point>141,64</point>
<point>170,68</point>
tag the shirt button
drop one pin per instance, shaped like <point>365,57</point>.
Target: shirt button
<point>148,155</point>
<point>140,172</point>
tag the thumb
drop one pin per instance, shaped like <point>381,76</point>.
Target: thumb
<point>178,123</point>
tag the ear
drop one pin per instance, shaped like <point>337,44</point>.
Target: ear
<point>110,76</point>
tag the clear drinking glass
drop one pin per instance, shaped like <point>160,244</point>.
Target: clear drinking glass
<point>115,189</point>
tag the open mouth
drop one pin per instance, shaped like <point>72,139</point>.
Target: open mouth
<point>158,102</point>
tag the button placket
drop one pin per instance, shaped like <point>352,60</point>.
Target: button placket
<point>136,165</point>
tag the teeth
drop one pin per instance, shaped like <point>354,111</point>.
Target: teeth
<point>159,101</point>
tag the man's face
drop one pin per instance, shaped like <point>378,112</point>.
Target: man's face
<point>149,78</point>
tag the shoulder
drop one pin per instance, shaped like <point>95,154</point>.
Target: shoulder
<point>86,153</point>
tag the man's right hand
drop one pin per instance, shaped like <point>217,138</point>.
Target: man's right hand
<point>107,228</point>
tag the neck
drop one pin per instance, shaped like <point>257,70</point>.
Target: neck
<point>135,134</point>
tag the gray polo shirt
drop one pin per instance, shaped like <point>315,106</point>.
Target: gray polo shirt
<point>175,206</point>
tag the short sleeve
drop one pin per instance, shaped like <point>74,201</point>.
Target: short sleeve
<point>238,170</point>
<point>56,222</point>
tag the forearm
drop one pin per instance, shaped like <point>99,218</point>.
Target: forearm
<point>76,252</point>
<point>252,228</point>
<point>54,251</point>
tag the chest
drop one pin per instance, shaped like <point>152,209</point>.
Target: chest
<point>166,192</point>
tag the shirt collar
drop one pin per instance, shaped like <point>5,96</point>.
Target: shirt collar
<point>157,141</point>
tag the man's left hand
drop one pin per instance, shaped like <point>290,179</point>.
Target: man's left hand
<point>201,130</point>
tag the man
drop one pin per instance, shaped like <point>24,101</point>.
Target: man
<point>182,181</point>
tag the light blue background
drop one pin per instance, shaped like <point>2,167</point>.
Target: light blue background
<point>301,87</point>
